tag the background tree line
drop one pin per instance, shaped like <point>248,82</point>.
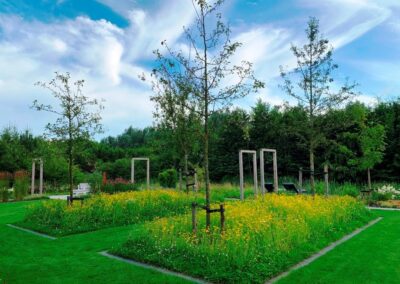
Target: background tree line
<point>346,145</point>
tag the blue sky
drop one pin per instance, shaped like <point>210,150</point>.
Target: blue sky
<point>109,43</point>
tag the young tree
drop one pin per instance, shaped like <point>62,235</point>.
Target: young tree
<point>78,115</point>
<point>210,79</point>
<point>372,142</point>
<point>173,116</point>
<point>313,88</point>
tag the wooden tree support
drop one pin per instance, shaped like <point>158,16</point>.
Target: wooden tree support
<point>191,174</point>
<point>221,210</point>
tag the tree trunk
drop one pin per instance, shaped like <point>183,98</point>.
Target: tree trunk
<point>206,113</point>
<point>70,171</point>
<point>312,182</point>
<point>206,169</point>
<point>369,179</point>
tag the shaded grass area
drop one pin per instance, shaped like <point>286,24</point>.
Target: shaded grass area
<point>370,257</point>
<point>26,258</point>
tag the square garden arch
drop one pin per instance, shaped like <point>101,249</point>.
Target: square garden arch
<point>254,153</point>
<point>147,170</point>
<point>275,168</point>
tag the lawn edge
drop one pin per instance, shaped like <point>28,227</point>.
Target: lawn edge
<point>31,232</point>
<point>153,267</point>
<point>322,252</point>
<point>382,208</point>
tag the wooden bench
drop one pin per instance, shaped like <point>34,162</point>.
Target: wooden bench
<point>292,187</point>
<point>269,186</point>
<point>70,201</point>
<point>366,192</point>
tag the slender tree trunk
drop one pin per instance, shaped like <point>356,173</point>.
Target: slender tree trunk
<point>312,181</point>
<point>206,170</point>
<point>70,170</point>
<point>206,113</point>
<point>311,101</point>
<point>369,179</point>
<point>70,157</point>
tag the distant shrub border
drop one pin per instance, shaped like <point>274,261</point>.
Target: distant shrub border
<point>55,218</point>
<point>118,185</point>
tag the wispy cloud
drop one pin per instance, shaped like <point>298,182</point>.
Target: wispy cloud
<point>106,56</point>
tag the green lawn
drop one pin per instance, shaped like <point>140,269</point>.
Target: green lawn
<point>26,258</point>
<point>373,256</point>
<point>370,257</point>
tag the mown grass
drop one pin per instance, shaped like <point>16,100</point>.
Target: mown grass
<point>26,258</point>
<point>262,238</point>
<point>370,257</point>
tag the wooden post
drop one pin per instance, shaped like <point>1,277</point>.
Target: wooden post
<point>301,178</point>
<point>326,176</point>
<point>222,212</point>
<point>180,179</point>
<point>195,182</point>
<point>369,179</point>
<point>262,175</point>
<point>148,174</point>
<point>194,218</point>
<point>275,164</point>
<point>241,175</point>
<point>255,174</point>
<point>41,177</point>
<point>133,171</point>
<point>33,178</point>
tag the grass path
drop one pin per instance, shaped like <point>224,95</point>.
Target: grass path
<point>27,258</point>
<point>373,256</point>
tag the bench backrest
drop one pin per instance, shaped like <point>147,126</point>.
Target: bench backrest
<point>269,187</point>
<point>84,186</point>
<point>290,187</point>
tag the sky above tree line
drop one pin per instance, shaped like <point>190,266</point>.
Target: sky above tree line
<point>109,43</point>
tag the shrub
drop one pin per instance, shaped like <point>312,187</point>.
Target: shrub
<point>118,185</point>
<point>262,238</point>
<point>21,185</point>
<point>103,210</point>
<point>376,196</point>
<point>168,178</point>
<point>4,193</point>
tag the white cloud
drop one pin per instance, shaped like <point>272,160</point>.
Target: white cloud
<point>106,56</point>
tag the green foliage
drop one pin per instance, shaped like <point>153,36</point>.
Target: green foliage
<point>4,193</point>
<point>281,128</point>
<point>372,146</point>
<point>21,188</point>
<point>78,116</point>
<point>168,178</point>
<point>376,196</point>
